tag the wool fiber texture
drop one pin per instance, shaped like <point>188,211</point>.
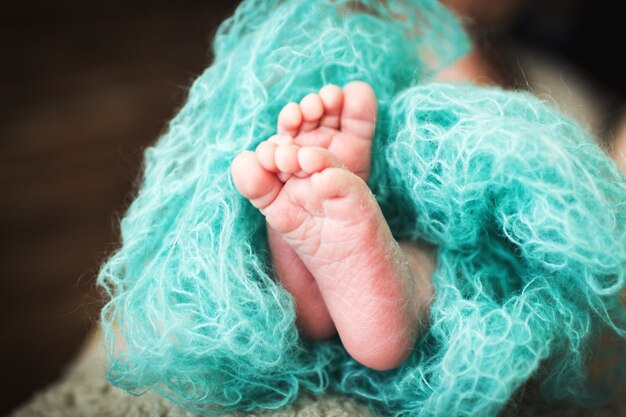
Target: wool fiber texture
<point>527,213</point>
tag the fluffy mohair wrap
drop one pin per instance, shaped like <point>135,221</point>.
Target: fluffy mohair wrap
<point>527,213</point>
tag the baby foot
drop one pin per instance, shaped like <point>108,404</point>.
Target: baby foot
<point>330,218</point>
<point>342,121</point>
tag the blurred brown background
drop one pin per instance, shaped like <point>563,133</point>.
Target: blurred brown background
<point>84,88</point>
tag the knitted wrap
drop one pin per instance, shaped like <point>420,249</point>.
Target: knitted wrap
<point>527,213</point>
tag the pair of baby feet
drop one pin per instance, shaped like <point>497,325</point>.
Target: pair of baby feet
<point>331,247</point>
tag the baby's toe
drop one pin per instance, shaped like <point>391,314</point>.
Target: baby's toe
<point>266,151</point>
<point>358,114</point>
<point>332,98</point>
<point>290,119</point>
<point>312,109</point>
<point>314,159</point>
<point>253,181</point>
<point>286,158</point>
<point>265,154</point>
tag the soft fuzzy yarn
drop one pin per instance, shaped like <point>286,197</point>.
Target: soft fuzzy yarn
<point>527,212</point>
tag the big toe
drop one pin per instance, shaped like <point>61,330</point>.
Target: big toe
<point>253,181</point>
<point>359,112</point>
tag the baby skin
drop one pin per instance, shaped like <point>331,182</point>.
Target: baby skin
<point>331,246</point>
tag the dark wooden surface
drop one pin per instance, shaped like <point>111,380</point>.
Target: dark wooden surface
<point>83,91</point>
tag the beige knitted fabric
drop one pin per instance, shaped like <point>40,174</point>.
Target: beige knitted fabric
<point>85,392</point>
